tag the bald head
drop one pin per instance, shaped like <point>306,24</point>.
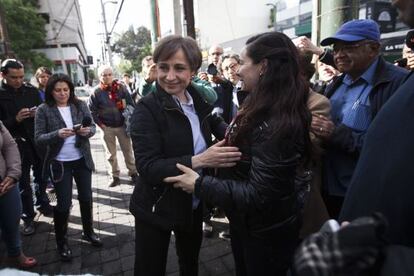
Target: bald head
<point>214,54</point>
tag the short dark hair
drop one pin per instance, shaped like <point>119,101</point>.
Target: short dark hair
<point>171,44</point>
<point>10,63</point>
<point>126,75</point>
<point>50,86</point>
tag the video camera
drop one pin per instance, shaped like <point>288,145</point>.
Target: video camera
<point>409,42</point>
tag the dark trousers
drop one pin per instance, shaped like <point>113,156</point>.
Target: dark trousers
<point>253,256</point>
<point>65,172</point>
<point>151,248</point>
<point>41,196</point>
<point>27,155</point>
<point>333,205</point>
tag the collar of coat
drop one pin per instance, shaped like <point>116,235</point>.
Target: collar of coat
<point>381,75</point>
<point>168,102</point>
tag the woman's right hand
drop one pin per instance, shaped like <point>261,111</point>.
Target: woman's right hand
<point>6,185</point>
<point>217,156</point>
<point>65,132</point>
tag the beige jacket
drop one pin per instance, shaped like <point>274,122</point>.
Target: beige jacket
<point>10,163</point>
<point>315,213</point>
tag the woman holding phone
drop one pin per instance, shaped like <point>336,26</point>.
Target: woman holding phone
<point>64,125</point>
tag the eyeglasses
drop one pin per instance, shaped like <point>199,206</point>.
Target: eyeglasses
<point>349,48</point>
<point>231,66</point>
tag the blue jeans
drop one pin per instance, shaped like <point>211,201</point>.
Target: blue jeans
<point>66,172</point>
<point>10,211</point>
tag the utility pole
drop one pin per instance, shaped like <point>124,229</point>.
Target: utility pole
<point>334,13</point>
<point>155,20</point>
<point>177,18</point>
<point>189,18</point>
<point>107,36</point>
<point>56,39</point>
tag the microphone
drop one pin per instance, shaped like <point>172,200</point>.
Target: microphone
<point>86,121</point>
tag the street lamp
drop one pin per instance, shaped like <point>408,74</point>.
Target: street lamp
<point>107,36</point>
<point>273,12</point>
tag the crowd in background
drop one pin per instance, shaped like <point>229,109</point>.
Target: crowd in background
<point>255,137</point>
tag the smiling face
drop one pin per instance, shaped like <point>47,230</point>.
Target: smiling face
<point>174,74</point>
<point>248,72</point>
<point>61,93</point>
<point>354,58</point>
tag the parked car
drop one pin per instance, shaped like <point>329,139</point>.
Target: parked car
<point>83,93</point>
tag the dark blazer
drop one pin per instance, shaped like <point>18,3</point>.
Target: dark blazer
<point>383,179</point>
<point>162,137</point>
<point>48,121</point>
<point>11,102</point>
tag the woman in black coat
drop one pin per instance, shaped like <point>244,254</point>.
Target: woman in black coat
<point>172,125</point>
<point>271,130</point>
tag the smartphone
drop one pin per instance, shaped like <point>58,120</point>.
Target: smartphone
<point>402,62</point>
<point>33,108</point>
<point>77,127</point>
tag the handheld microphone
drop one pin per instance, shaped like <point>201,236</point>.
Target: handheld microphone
<point>86,121</point>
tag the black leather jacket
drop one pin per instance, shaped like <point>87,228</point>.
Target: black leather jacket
<point>259,193</point>
<point>162,137</point>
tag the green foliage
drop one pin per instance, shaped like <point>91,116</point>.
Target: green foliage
<point>134,46</point>
<point>26,31</point>
<point>125,66</point>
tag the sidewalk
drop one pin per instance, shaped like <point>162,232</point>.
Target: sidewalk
<point>115,225</point>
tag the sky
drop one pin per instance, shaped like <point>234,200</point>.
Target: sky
<point>134,12</point>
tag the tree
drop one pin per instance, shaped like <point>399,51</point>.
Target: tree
<point>26,29</point>
<point>134,46</point>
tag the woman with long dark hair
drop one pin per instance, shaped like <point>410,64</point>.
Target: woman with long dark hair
<point>272,132</point>
<point>63,125</point>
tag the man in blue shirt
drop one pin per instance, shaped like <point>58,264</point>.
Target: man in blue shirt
<point>383,179</point>
<point>366,83</point>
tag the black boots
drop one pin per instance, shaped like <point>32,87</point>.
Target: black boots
<point>87,221</point>
<point>61,228</point>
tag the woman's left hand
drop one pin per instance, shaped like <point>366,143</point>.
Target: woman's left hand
<point>6,185</point>
<point>186,181</point>
<point>84,131</point>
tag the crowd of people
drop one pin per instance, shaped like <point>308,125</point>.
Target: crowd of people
<point>252,136</point>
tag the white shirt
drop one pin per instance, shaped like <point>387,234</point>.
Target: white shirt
<point>68,152</point>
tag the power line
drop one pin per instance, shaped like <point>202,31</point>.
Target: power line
<point>117,17</point>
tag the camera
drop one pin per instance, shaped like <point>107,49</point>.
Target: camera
<point>77,127</point>
<point>401,62</point>
<point>212,69</point>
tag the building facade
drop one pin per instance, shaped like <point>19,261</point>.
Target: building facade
<point>65,44</point>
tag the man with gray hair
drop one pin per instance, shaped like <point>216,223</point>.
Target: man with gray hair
<point>107,104</point>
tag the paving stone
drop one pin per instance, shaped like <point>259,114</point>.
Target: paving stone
<point>127,262</point>
<point>112,268</point>
<point>110,255</point>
